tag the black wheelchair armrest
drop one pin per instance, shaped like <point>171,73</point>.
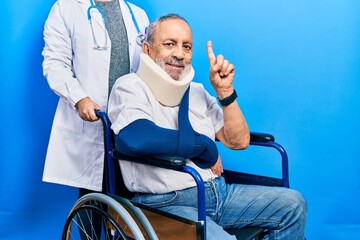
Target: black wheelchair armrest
<point>168,162</point>
<point>251,179</point>
<point>261,137</point>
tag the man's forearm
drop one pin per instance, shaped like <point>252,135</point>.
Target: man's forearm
<point>235,131</point>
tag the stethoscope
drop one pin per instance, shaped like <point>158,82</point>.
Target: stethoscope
<point>140,38</point>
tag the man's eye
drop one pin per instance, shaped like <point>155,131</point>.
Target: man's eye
<point>187,47</point>
<point>168,44</point>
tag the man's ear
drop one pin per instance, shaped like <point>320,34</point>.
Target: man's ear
<point>146,47</point>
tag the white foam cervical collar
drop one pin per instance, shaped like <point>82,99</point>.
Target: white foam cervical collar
<point>166,90</point>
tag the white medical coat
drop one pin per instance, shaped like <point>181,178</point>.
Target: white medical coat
<point>74,70</point>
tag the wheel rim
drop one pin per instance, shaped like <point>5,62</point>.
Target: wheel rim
<point>79,224</point>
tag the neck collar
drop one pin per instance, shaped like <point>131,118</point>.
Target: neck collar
<point>166,90</point>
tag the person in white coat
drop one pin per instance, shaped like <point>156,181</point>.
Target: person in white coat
<point>85,45</point>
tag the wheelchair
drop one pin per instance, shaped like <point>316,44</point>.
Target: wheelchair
<point>111,215</point>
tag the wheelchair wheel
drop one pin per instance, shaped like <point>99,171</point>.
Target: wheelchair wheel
<point>92,218</point>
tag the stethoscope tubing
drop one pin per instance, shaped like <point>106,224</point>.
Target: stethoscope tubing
<point>93,6</point>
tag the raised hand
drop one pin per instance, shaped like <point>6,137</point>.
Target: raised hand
<point>221,72</point>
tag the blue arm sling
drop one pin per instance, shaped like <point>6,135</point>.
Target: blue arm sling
<point>144,138</point>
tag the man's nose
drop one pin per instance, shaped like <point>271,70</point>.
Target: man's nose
<point>179,52</point>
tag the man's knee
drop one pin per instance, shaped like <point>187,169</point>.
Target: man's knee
<point>296,204</point>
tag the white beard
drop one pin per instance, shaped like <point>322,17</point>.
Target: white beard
<point>162,63</point>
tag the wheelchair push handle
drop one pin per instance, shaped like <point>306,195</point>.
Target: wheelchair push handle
<point>100,114</point>
<point>104,118</point>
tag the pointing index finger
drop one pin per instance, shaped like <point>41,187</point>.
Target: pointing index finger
<point>210,52</point>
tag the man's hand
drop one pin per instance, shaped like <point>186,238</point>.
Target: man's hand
<point>217,169</point>
<point>221,73</point>
<point>86,108</point>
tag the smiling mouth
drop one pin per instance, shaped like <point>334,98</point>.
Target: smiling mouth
<point>175,66</point>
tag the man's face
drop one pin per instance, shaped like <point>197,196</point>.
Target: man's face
<point>172,47</point>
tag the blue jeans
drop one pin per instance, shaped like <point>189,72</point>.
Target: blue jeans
<point>281,210</point>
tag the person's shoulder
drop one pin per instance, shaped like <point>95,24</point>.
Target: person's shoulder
<point>131,84</point>
<point>140,14</point>
<point>63,8</point>
<point>198,91</point>
<point>133,6</point>
<point>129,78</point>
<point>66,3</point>
<point>196,86</point>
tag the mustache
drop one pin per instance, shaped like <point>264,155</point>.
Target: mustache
<point>175,61</point>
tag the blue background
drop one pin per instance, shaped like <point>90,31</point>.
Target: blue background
<point>297,76</point>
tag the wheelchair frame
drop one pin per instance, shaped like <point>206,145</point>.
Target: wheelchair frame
<point>132,214</point>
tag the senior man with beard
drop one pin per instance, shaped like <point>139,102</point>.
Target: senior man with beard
<point>159,111</point>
